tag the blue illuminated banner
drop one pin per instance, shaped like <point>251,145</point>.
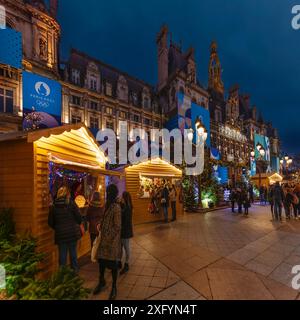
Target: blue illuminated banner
<point>11,47</point>
<point>265,143</point>
<point>186,116</point>
<point>43,96</point>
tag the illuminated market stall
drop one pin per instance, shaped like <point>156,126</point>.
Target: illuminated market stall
<point>35,165</point>
<point>144,182</point>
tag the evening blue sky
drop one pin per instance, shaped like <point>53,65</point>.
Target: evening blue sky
<point>257,46</point>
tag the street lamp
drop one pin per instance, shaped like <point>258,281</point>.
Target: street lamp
<point>260,162</point>
<point>259,146</point>
<point>262,152</point>
<point>285,163</point>
<point>190,134</point>
<point>202,133</point>
<point>252,153</point>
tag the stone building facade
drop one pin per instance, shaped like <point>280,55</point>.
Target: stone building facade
<point>100,95</point>
<point>40,40</point>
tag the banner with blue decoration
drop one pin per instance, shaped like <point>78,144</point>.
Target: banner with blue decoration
<point>41,102</point>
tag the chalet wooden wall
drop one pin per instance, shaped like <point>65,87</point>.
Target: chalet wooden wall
<point>140,206</point>
<point>16,183</point>
<point>72,145</point>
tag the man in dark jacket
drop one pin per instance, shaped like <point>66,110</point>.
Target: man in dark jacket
<point>65,219</point>
<point>232,199</point>
<point>278,198</point>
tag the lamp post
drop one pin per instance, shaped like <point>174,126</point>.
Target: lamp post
<point>201,133</point>
<point>260,162</point>
<point>285,163</point>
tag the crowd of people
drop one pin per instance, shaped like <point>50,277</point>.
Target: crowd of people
<point>243,197</point>
<point>162,197</point>
<point>110,223</point>
<point>284,197</point>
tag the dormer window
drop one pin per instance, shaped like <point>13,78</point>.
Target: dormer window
<point>75,76</point>
<point>93,83</point>
<point>146,102</point>
<point>108,89</point>
<point>134,98</point>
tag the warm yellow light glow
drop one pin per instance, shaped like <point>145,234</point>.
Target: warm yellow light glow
<point>61,160</point>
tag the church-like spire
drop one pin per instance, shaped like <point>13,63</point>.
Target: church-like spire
<point>215,71</point>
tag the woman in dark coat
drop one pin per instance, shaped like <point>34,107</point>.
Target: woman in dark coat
<point>126,229</point>
<point>246,202</point>
<point>94,215</point>
<point>109,252</point>
<point>65,219</point>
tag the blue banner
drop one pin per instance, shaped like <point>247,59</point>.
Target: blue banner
<point>43,97</point>
<point>265,143</point>
<point>215,154</point>
<point>11,48</point>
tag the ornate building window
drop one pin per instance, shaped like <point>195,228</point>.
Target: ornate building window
<point>218,116</point>
<point>146,98</point>
<point>122,115</point>
<point>76,118</point>
<point>6,100</point>
<point>94,105</point>
<point>146,103</point>
<point>109,110</point>
<point>75,77</point>
<point>76,100</point>
<point>136,118</point>
<point>135,99</point>
<point>108,89</point>
<point>93,83</point>
<point>94,122</point>
<point>122,89</point>
<point>147,121</point>
<point>110,124</point>
<point>43,51</point>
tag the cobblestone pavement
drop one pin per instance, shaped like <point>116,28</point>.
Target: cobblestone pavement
<point>217,255</point>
